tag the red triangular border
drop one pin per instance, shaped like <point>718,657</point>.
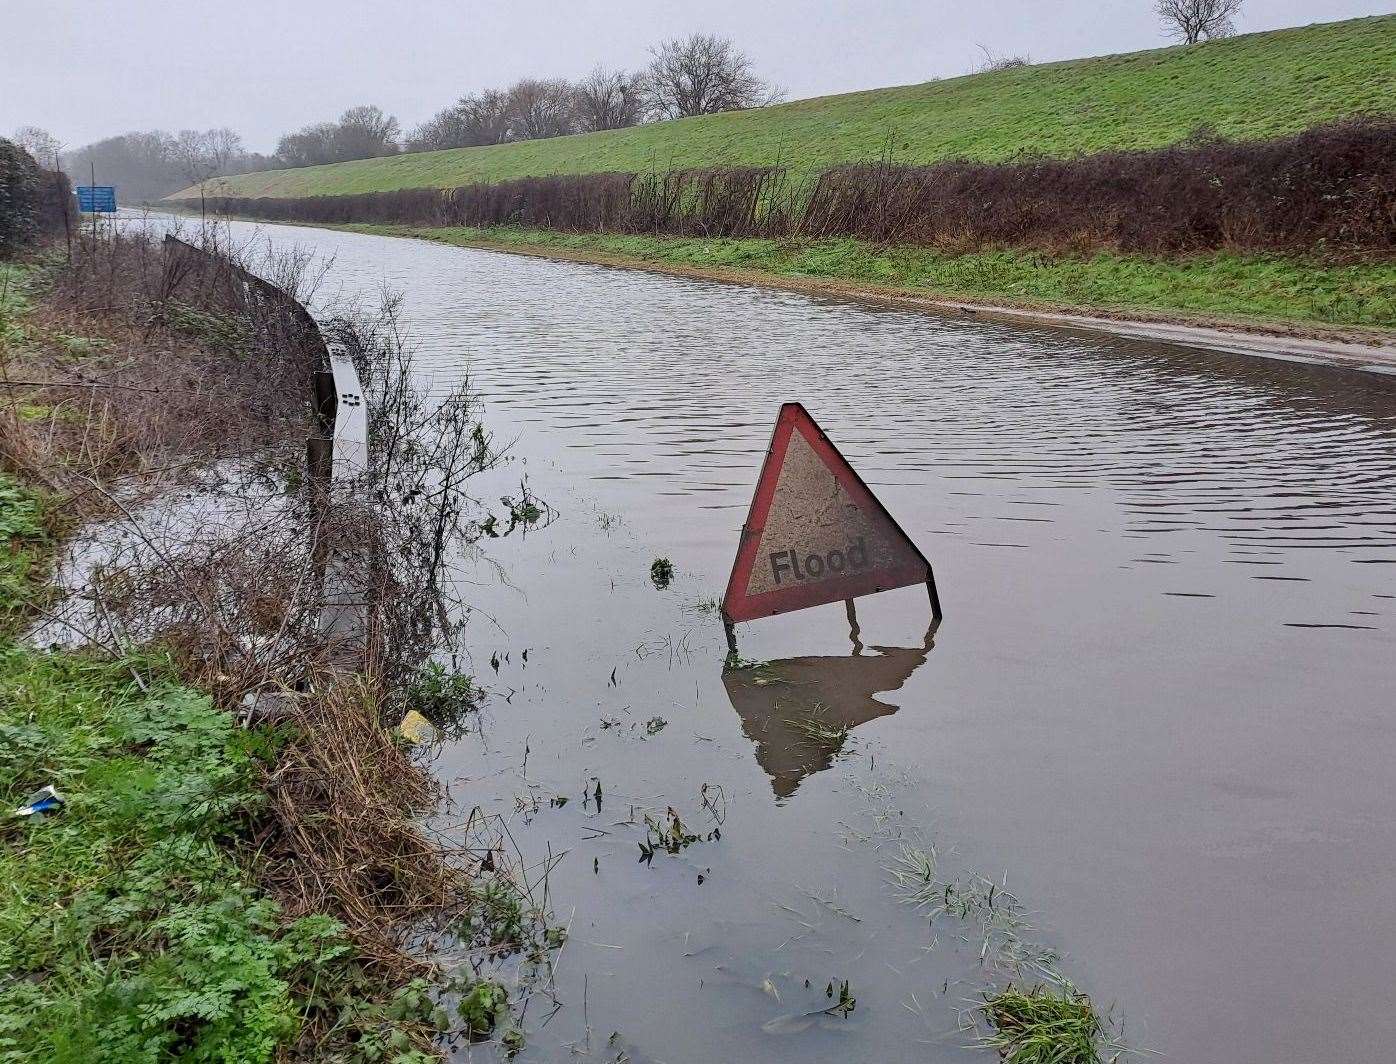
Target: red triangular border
<point>738,606</point>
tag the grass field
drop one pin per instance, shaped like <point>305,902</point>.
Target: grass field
<point>1258,85</point>
<point>1221,287</point>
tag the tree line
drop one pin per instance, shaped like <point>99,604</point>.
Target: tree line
<point>700,74</point>
<point>697,75</point>
<point>149,164</point>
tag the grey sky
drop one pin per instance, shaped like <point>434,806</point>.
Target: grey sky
<point>84,69</point>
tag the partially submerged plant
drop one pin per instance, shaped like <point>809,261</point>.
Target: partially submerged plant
<point>443,696</point>
<point>484,1005</point>
<point>838,994</point>
<point>831,735</point>
<point>846,1002</point>
<point>993,911</point>
<point>913,873</point>
<point>661,573</point>
<point>1045,1026</point>
<point>671,836</point>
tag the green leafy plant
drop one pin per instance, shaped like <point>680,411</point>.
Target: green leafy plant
<point>23,544</point>
<point>670,836</point>
<point>443,696</point>
<point>484,1005</point>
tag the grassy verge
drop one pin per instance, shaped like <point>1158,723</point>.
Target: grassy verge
<point>203,893</point>
<point>1220,287</point>
<point>131,928</point>
<point>24,537</point>
<point>1252,86</point>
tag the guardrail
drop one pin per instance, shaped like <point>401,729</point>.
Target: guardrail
<point>336,452</point>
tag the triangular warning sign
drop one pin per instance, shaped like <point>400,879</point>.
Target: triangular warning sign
<point>815,532</point>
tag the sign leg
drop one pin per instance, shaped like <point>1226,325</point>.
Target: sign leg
<point>934,597</point>
<point>855,634</point>
<point>731,630</point>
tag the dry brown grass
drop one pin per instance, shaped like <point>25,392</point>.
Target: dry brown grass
<point>344,798</point>
<point>132,373</point>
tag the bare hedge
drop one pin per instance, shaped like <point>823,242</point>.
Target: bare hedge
<point>1330,189</point>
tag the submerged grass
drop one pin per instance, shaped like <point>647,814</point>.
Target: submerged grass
<point>1220,286</point>
<point>1044,1026</point>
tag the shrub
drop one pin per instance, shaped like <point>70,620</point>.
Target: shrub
<point>21,190</point>
<point>33,201</point>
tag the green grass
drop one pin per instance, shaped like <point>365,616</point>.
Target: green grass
<point>1258,85</point>
<point>25,540</point>
<point>127,932</point>
<point>24,550</point>
<point>130,927</point>
<point>1217,286</point>
<point>16,279</point>
<point>1042,1026</point>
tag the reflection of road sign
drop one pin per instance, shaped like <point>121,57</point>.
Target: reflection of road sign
<point>97,199</point>
<point>815,532</point>
<point>798,711</point>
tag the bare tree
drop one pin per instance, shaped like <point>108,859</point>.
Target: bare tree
<point>540,108</point>
<point>485,117</point>
<point>361,133</point>
<point>365,132</point>
<point>701,75</point>
<point>40,143</point>
<point>201,154</point>
<point>308,146</point>
<point>445,129</point>
<point>1191,21</point>
<point>609,99</point>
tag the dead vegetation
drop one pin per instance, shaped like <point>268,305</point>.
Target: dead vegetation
<point>137,366</point>
<point>362,856</point>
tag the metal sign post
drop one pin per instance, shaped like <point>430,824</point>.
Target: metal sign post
<point>815,533</point>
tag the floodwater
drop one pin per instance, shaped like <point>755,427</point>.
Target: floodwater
<point>1159,707</point>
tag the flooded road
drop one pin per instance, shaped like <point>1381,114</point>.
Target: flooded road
<point>1159,707</point>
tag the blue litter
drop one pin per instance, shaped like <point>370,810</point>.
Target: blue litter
<point>47,800</point>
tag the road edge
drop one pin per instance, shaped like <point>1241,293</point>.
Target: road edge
<point>1286,341</point>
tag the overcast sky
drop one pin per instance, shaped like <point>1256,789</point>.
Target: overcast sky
<point>85,69</point>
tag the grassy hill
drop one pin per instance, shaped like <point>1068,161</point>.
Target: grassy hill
<point>1258,85</point>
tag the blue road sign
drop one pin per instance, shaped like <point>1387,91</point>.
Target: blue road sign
<point>97,199</point>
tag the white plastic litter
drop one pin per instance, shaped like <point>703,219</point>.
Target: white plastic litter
<point>47,800</point>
